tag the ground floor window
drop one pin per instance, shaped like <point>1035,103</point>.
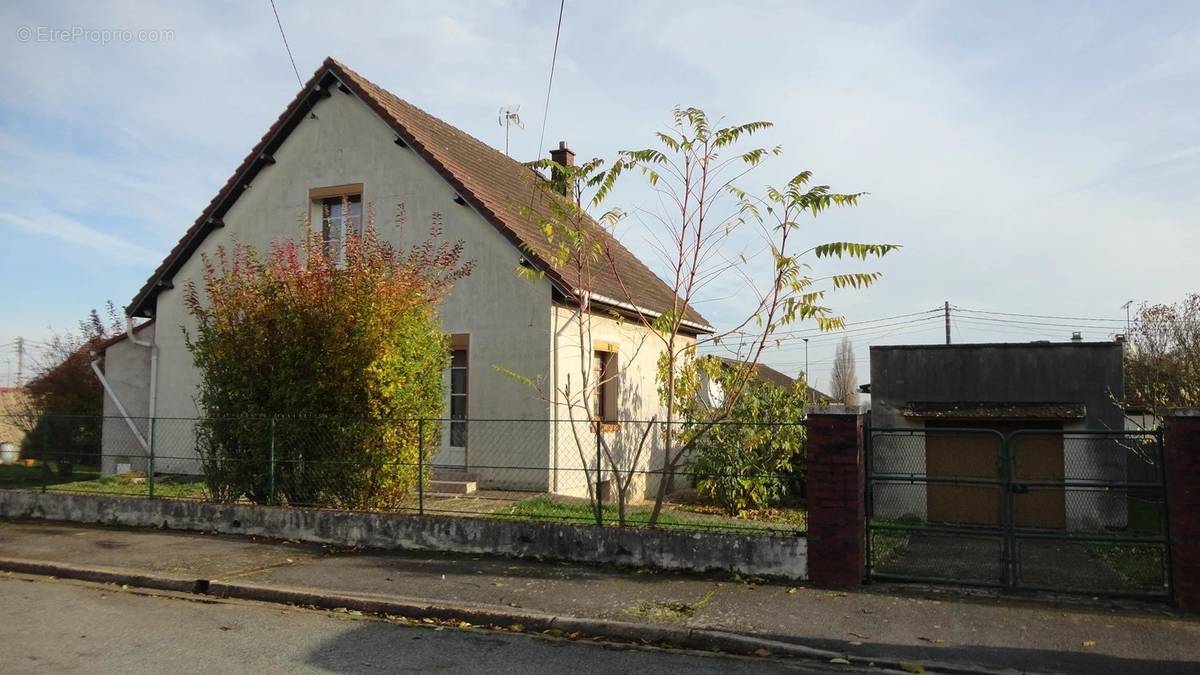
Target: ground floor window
<point>604,378</point>
<point>458,397</point>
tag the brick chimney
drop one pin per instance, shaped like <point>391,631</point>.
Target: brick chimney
<point>563,156</point>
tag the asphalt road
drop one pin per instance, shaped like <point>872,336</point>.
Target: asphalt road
<point>54,625</point>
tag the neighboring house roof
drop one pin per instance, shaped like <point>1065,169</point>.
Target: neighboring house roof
<point>769,375</point>
<point>110,341</point>
<point>502,190</point>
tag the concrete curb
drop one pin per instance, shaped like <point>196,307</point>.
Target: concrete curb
<point>476,614</point>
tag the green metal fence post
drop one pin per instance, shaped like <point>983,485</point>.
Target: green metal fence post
<point>421,466</point>
<point>271,463</point>
<point>150,461</point>
<point>599,500</point>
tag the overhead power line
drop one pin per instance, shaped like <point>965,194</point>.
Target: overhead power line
<point>285,44</point>
<point>1039,316</point>
<point>820,337</point>
<point>550,84</point>
<point>1022,322</point>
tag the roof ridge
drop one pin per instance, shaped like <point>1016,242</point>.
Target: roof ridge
<point>493,183</point>
<point>484,144</point>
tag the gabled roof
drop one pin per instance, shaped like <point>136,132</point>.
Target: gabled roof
<point>114,339</point>
<point>767,374</point>
<point>505,192</point>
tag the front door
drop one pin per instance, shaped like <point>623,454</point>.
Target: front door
<point>453,452</point>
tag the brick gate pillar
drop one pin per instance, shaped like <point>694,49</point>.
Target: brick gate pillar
<point>836,507</point>
<point>1182,464</point>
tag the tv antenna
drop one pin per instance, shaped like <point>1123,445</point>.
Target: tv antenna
<point>509,118</point>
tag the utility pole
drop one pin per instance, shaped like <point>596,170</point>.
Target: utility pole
<point>1126,307</point>
<point>20,361</point>
<point>947,309</point>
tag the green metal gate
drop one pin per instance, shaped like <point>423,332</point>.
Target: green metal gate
<point>1034,509</point>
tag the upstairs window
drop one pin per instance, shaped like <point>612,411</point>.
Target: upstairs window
<point>339,210</point>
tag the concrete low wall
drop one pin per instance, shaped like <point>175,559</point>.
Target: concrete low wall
<point>751,554</point>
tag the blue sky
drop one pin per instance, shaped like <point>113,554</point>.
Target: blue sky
<point>1034,158</point>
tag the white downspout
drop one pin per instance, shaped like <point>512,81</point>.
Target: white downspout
<point>153,363</point>
<point>153,389</point>
<point>116,401</point>
<point>554,395</point>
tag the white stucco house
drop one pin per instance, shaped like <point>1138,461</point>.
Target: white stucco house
<point>345,138</point>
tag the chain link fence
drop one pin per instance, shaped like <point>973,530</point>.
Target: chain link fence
<point>738,477</point>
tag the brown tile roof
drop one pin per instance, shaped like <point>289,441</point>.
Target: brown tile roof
<point>114,339</point>
<point>503,190</point>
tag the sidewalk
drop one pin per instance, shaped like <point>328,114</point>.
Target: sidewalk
<point>897,623</point>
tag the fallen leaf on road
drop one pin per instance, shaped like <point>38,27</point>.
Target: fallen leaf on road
<point>762,652</point>
<point>856,643</point>
<point>1089,643</point>
<point>844,662</point>
<point>911,667</point>
<point>932,641</point>
<point>497,583</point>
<point>517,627</point>
<point>791,590</point>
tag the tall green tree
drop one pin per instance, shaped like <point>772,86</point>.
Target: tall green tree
<point>696,171</point>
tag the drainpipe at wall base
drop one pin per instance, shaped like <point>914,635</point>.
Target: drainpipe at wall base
<point>116,401</point>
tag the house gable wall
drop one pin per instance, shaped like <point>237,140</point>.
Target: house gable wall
<point>348,143</point>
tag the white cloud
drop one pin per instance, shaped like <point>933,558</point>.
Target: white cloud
<point>72,232</point>
<point>1029,158</point>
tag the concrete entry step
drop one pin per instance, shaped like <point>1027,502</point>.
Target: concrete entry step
<point>451,487</point>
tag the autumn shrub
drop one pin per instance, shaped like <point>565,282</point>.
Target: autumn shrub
<point>755,458</point>
<point>315,364</point>
<point>64,402</point>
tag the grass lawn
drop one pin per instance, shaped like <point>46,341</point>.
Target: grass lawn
<point>86,479</point>
<point>135,486</point>
<point>547,508</point>
<point>24,477</point>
